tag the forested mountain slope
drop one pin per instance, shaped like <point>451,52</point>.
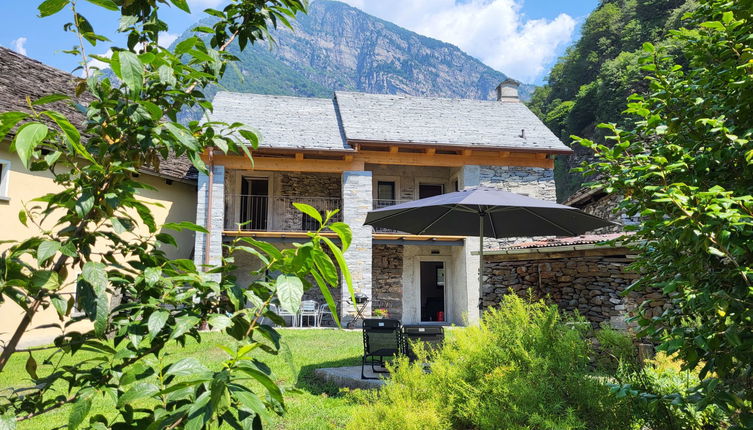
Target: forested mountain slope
<point>591,82</point>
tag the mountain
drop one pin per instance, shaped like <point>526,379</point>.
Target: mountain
<point>338,47</point>
<point>591,83</point>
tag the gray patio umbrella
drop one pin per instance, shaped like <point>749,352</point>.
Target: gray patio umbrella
<point>485,212</point>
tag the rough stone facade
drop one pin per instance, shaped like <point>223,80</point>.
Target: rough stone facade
<point>387,278</point>
<point>604,207</point>
<point>536,182</point>
<point>309,185</point>
<point>592,285</point>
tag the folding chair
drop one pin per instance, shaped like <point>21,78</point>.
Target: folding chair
<point>382,338</point>
<point>431,336</point>
<point>309,308</point>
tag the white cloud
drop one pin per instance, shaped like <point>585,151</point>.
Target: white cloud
<point>165,39</point>
<point>494,31</point>
<point>19,45</point>
<point>98,64</point>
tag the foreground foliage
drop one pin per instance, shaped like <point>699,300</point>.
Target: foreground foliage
<point>523,366</point>
<point>96,237</point>
<point>685,169</point>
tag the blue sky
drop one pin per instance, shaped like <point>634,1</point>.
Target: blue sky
<point>521,38</point>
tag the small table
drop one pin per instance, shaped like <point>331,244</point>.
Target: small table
<point>360,307</point>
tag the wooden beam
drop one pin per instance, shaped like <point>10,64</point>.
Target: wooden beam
<point>394,149</point>
<point>431,151</point>
<point>467,153</point>
<point>299,155</point>
<point>288,164</point>
<point>266,234</point>
<point>445,160</point>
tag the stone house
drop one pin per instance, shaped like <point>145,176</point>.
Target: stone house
<point>358,151</point>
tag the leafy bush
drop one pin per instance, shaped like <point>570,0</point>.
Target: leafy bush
<point>523,366</point>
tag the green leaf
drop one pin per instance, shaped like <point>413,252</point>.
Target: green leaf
<point>343,266</point>
<point>156,321</point>
<point>152,275</point>
<point>29,136</point>
<point>219,321</point>
<point>51,7</point>
<point>8,120</point>
<point>186,367</point>
<point>182,4</point>
<point>183,136</point>
<point>272,388</point>
<point>96,275</point>
<point>309,210</point>
<point>327,296</point>
<point>183,324</point>
<point>52,98</point>
<point>61,305</point>
<point>289,291</point>
<point>247,398</point>
<point>344,233</point>
<point>130,70</point>
<point>139,390</point>
<point>84,204</point>
<point>325,266</point>
<point>79,411</point>
<point>166,75</point>
<point>47,249</point>
<point>31,367</point>
<point>23,217</point>
<point>107,4</point>
<point>45,279</point>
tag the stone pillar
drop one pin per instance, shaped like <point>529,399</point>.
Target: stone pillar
<point>468,264</point>
<point>217,223</point>
<point>356,202</point>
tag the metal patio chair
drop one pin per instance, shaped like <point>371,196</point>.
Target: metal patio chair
<point>324,310</point>
<point>382,338</point>
<point>432,336</point>
<point>309,308</point>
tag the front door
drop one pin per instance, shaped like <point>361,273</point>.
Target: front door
<point>254,203</point>
<point>433,286</point>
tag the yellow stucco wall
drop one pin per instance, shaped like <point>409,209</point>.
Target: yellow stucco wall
<point>178,202</point>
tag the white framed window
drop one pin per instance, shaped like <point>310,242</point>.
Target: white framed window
<point>4,179</point>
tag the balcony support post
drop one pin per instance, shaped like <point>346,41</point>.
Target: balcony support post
<point>216,223</point>
<point>356,203</point>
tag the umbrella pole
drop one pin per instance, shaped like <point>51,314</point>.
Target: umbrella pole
<point>480,251</point>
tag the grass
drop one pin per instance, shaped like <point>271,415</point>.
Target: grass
<point>314,404</point>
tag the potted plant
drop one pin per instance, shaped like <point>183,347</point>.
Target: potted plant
<point>379,313</point>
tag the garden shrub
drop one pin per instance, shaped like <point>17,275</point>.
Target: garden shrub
<point>522,367</point>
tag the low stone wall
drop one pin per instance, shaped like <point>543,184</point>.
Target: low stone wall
<point>590,284</point>
<point>387,279</point>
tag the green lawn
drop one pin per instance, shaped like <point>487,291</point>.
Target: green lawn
<point>314,405</point>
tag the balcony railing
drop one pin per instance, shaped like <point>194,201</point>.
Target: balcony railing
<point>383,203</point>
<point>276,213</point>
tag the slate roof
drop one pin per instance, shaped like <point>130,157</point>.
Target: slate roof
<point>21,76</point>
<point>441,121</point>
<point>284,122</point>
<point>320,124</point>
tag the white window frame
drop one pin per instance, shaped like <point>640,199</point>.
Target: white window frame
<point>4,180</point>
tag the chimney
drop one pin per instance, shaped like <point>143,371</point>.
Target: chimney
<point>507,91</point>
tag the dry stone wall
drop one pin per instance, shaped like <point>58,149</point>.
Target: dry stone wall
<point>387,278</point>
<point>592,285</point>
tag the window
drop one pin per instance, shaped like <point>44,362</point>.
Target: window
<point>429,190</point>
<point>4,174</point>
<point>386,192</point>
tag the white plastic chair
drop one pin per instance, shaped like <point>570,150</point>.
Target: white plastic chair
<point>309,308</point>
<point>323,310</point>
<point>283,314</point>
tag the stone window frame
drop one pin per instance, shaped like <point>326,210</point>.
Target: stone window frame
<point>237,181</point>
<point>4,179</point>
<point>428,180</point>
<point>377,179</point>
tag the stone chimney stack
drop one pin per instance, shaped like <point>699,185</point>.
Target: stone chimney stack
<point>507,91</point>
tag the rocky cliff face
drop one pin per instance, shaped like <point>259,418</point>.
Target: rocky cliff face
<point>338,47</point>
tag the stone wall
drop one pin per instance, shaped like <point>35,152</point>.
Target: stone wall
<point>309,185</point>
<point>589,284</point>
<point>536,182</point>
<point>387,278</point>
<point>604,207</point>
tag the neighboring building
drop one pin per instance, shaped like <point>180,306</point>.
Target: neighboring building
<point>175,184</point>
<point>356,152</point>
<point>596,201</point>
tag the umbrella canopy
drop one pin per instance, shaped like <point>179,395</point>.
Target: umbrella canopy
<point>485,212</point>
